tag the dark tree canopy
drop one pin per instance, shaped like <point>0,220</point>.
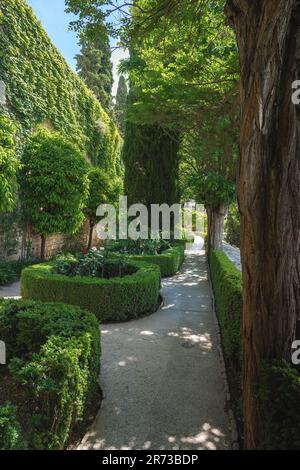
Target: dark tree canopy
<point>120,106</point>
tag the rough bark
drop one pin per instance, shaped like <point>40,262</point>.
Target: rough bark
<point>91,230</point>
<point>215,226</point>
<point>268,36</point>
<point>43,246</point>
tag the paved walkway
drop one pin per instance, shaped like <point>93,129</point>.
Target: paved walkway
<point>11,291</point>
<point>161,375</point>
<point>233,254</point>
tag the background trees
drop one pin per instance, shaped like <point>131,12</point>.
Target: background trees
<point>94,66</point>
<point>54,185</point>
<point>121,102</point>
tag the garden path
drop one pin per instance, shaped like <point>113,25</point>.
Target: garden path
<point>162,376</point>
<point>11,291</point>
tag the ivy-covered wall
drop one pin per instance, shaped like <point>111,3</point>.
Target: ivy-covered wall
<point>37,87</point>
<point>40,88</point>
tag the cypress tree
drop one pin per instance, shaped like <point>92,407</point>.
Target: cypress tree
<point>94,66</point>
<point>120,106</point>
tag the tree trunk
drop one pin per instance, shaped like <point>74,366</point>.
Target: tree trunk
<point>215,226</point>
<point>268,36</point>
<point>91,230</point>
<point>43,246</point>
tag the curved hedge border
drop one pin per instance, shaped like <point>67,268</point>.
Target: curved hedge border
<point>53,352</point>
<point>115,299</point>
<point>169,261</point>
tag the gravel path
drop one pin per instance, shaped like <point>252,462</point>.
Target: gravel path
<point>233,254</point>
<point>11,291</point>
<point>161,375</point>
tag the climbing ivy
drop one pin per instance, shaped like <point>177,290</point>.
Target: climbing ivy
<point>8,165</point>
<point>42,89</point>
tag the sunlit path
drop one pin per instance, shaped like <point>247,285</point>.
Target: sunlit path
<point>161,375</point>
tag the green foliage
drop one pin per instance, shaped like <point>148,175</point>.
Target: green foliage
<point>279,393</point>
<point>95,263</point>
<point>115,299</point>
<point>42,89</point>
<point>9,233</point>
<point>227,286</point>
<point>102,190</point>
<point>212,188</point>
<point>53,351</point>
<point>8,165</point>
<point>150,155</point>
<point>10,271</point>
<point>169,261</point>
<point>121,102</point>
<point>233,226</point>
<point>169,257</point>
<point>9,428</point>
<point>94,65</point>
<point>54,184</point>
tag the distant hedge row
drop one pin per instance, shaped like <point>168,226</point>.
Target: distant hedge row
<point>279,386</point>
<point>169,261</point>
<point>115,299</point>
<point>53,353</point>
<point>42,89</point>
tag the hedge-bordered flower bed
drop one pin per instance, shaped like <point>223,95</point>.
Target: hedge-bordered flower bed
<point>169,261</point>
<point>53,356</point>
<point>115,299</point>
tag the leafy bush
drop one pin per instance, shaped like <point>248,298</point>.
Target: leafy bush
<point>9,428</point>
<point>139,247</point>
<point>95,263</point>
<point>233,226</point>
<point>10,271</point>
<point>54,184</point>
<point>53,350</point>
<point>115,299</point>
<point>279,393</point>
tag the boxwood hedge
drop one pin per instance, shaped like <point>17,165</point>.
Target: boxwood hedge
<point>169,261</point>
<point>278,388</point>
<point>53,351</point>
<point>115,299</point>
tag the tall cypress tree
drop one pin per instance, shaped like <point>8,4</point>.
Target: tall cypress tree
<point>94,65</point>
<point>120,106</point>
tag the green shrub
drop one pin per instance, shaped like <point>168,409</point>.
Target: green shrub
<point>169,261</point>
<point>115,299</point>
<point>9,428</point>
<point>10,271</point>
<point>279,393</point>
<point>233,226</point>
<point>227,286</point>
<point>54,351</point>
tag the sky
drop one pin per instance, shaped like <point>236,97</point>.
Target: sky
<point>56,22</point>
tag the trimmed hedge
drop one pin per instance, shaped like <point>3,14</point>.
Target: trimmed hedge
<point>278,388</point>
<point>53,351</point>
<point>115,299</point>
<point>227,286</point>
<point>169,261</point>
